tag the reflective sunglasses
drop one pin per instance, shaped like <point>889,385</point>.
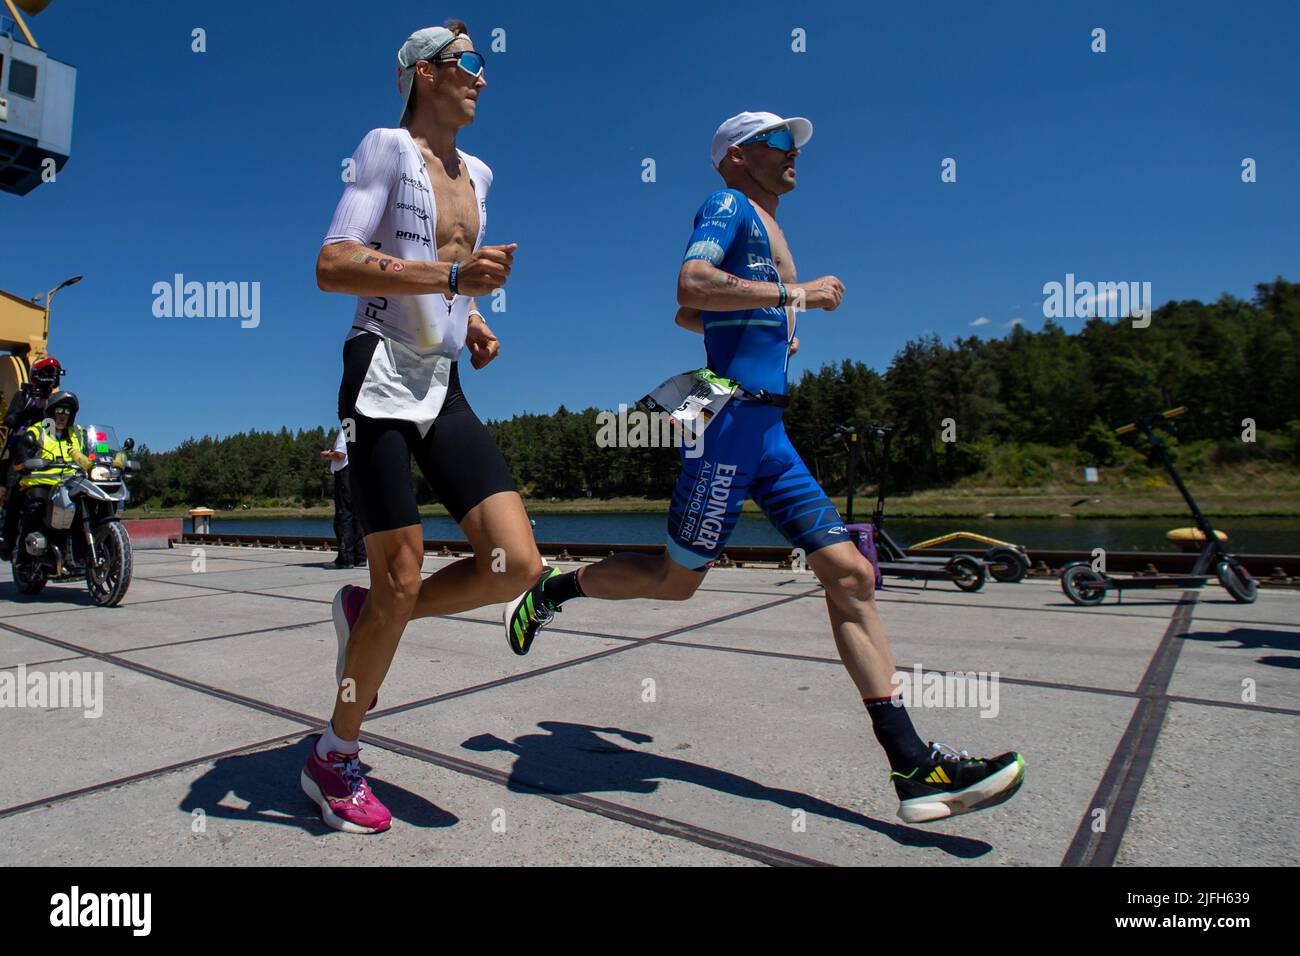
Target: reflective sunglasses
<point>780,138</point>
<point>469,61</point>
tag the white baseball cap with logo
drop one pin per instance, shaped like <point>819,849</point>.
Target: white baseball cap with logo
<point>420,45</point>
<point>742,126</point>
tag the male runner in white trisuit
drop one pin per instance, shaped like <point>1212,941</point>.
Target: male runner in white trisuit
<point>406,240</point>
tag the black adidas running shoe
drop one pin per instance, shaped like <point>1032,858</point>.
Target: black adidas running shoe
<point>529,613</point>
<point>953,782</point>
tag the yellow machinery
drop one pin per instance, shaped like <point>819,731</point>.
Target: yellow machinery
<point>25,332</point>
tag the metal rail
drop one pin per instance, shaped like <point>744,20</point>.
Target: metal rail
<point>1043,561</point>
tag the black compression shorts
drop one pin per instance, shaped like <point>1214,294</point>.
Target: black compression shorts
<point>458,456</point>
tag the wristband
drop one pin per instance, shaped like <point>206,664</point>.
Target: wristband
<point>780,287</point>
<point>474,312</point>
<point>453,279</point>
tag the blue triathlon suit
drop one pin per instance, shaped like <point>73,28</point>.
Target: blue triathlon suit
<point>745,450</point>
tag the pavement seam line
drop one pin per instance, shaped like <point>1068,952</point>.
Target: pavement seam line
<point>1121,782</point>
<point>45,663</point>
<point>812,659</point>
<point>212,592</point>
<point>138,777</point>
<point>212,691</point>
<point>219,637</point>
<point>562,665</point>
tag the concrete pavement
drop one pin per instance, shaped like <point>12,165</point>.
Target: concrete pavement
<point>718,731</point>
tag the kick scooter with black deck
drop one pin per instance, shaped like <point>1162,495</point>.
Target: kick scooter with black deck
<point>1088,587</point>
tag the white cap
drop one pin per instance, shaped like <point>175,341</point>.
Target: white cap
<point>744,125</point>
<point>420,45</point>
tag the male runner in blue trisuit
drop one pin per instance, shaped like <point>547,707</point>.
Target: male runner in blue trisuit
<point>737,287</point>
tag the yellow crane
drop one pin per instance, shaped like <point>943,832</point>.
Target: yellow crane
<point>25,332</point>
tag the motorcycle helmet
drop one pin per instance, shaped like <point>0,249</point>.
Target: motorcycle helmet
<point>46,374</point>
<point>66,400</point>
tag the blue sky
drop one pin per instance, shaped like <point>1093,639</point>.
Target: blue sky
<point>224,166</point>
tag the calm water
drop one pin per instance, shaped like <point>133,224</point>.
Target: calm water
<point>1248,535</point>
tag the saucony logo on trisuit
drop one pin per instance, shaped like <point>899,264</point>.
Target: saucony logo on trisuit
<point>422,213</point>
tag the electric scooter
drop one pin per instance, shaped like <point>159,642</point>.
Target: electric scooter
<point>1084,585</point>
<point>965,571</point>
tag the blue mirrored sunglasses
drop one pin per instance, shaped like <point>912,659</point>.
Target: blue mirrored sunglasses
<point>469,61</point>
<point>780,138</point>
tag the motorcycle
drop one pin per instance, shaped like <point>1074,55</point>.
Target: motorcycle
<point>77,532</point>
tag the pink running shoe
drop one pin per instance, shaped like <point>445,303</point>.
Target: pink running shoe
<point>346,609</point>
<point>342,794</point>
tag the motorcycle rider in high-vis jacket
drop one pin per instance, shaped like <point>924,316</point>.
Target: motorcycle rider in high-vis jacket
<point>57,439</point>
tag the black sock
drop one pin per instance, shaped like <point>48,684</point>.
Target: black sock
<point>904,749</point>
<point>559,588</point>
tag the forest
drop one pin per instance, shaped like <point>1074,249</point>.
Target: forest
<point>1016,409</point>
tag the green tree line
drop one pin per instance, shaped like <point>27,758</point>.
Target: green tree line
<point>1016,404</point>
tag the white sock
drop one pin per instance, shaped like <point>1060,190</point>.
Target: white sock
<point>331,742</point>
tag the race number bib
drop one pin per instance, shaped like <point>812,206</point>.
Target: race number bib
<point>691,399</point>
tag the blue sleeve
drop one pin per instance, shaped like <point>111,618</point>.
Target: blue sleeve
<point>720,220</point>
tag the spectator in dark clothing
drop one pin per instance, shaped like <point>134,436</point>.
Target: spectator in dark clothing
<point>351,540</point>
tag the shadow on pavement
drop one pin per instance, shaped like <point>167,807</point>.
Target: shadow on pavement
<point>571,759</point>
<point>57,594</point>
<point>1255,639</point>
<point>268,781</point>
